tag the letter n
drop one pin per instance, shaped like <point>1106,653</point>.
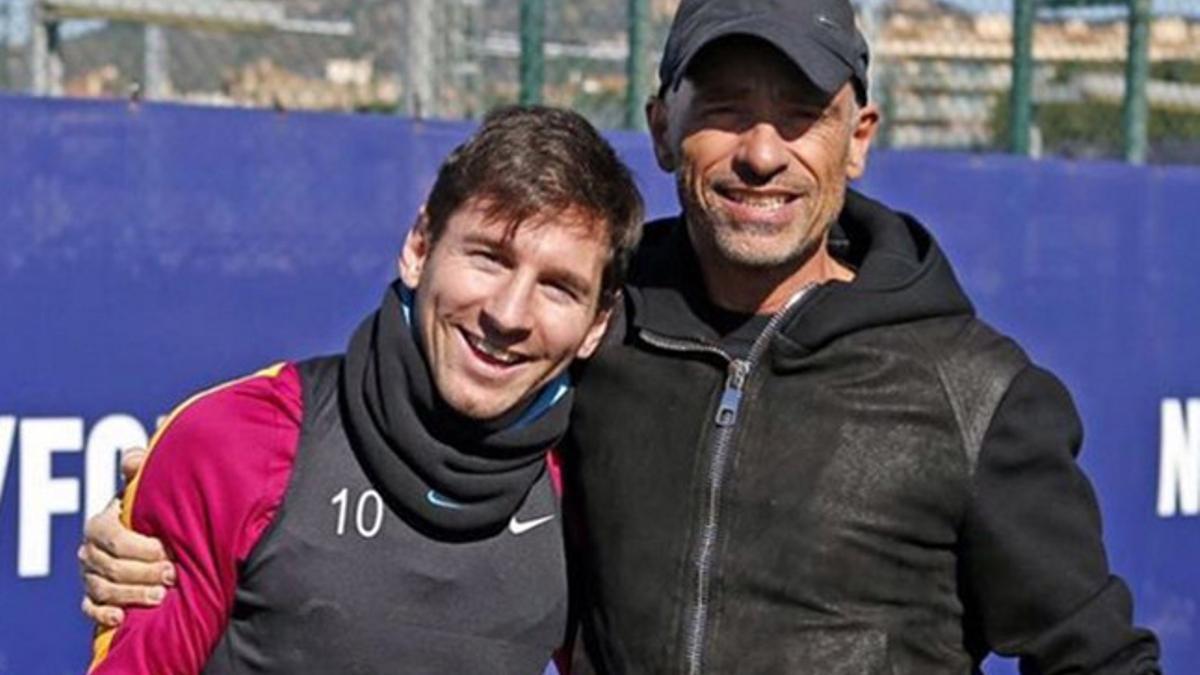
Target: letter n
<point>1179,459</point>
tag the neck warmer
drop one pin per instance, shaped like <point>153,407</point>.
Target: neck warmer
<point>444,472</point>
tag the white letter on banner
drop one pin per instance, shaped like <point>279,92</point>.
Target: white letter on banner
<point>8,431</point>
<point>43,495</point>
<point>105,441</point>
<point>1179,459</point>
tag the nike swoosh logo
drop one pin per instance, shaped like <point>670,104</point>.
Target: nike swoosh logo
<point>437,500</point>
<point>517,527</point>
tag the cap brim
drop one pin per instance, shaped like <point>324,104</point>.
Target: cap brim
<point>824,69</point>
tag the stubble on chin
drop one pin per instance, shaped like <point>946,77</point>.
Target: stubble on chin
<point>750,245</point>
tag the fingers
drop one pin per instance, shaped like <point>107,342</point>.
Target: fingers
<point>109,617</point>
<point>131,461</point>
<point>120,567</point>
<point>125,571</point>
<point>105,532</point>
<point>109,595</point>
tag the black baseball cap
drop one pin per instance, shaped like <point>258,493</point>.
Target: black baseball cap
<point>819,36</point>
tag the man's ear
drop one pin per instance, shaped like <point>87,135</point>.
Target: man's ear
<point>865,125</point>
<point>656,120</point>
<point>417,245</point>
<point>599,327</point>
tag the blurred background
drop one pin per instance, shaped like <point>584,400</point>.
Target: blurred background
<point>1070,78</point>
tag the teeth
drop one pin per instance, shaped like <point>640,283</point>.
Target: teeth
<point>499,353</point>
<point>760,201</point>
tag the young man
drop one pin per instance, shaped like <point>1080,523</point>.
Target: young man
<point>389,509</point>
<point>824,462</point>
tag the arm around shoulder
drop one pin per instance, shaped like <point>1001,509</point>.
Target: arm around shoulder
<point>211,484</point>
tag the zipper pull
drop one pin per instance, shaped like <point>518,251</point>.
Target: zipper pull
<point>731,398</point>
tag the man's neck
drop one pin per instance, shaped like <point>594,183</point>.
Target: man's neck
<point>766,290</point>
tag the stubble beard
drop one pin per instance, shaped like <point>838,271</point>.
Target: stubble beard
<point>755,247</point>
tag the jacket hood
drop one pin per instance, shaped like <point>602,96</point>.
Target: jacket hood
<point>901,276</point>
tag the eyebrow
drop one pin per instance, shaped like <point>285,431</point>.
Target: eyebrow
<point>561,274</point>
<point>475,236</point>
<point>572,279</point>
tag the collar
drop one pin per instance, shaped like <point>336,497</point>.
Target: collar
<point>901,275</point>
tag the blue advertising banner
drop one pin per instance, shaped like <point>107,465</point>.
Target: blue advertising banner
<point>150,251</point>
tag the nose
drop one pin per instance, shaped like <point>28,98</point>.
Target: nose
<point>508,312</point>
<point>762,153</point>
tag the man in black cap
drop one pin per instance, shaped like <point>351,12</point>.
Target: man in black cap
<point>798,450</point>
<point>804,454</point>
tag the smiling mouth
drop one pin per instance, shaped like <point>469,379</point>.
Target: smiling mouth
<point>492,353</point>
<point>755,199</point>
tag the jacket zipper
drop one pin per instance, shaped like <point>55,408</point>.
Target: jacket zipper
<point>737,372</point>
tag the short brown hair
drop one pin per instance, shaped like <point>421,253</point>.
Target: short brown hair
<point>535,161</point>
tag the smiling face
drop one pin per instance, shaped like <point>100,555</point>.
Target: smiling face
<point>761,157</point>
<point>502,310</point>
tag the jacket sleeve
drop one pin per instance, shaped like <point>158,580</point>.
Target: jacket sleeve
<point>212,482</point>
<point>1035,574</point>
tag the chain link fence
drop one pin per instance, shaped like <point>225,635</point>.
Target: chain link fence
<point>942,69</point>
<point>1081,79</point>
<point>944,76</point>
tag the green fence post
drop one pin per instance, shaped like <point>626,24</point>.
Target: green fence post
<point>533,61</point>
<point>1135,109</point>
<point>637,72</point>
<point>1021,101</point>
<point>5,29</point>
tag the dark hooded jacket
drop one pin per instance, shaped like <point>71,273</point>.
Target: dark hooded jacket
<point>886,484</point>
